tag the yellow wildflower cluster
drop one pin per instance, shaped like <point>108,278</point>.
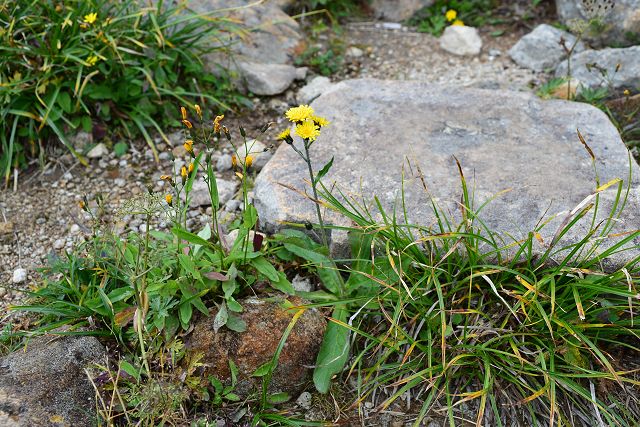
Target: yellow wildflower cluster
<point>307,124</point>
<point>452,15</point>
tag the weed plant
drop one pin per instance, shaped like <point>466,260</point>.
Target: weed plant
<point>98,66</point>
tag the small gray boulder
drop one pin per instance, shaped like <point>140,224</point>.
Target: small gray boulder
<point>542,49</point>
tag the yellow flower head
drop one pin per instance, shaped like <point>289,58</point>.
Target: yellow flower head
<point>191,167</point>
<point>285,134</point>
<point>165,177</point>
<point>188,145</point>
<point>320,121</point>
<point>299,114</point>
<point>451,15</point>
<point>234,161</point>
<point>92,60</point>
<point>458,23</point>
<point>183,172</point>
<point>626,92</point>
<point>307,130</point>
<point>169,199</point>
<point>248,161</point>
<point>198,110</point>
<point>90,18</point>
<point>187,123</point>
<point>216,123</point>
<point>183,112</point>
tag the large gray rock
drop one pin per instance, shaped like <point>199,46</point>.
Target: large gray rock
<point>313,89</point>
<point>262,53</point>
<point>46,384</point>
<point>461,40</point>
<point>503,140</point>
<point>542,48</point>
<point>397,10</point>
<point>595,68</point>
<point>621,24</point>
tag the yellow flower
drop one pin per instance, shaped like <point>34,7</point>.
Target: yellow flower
<point>191,167</point>
<point>285,134</point>
<point>248,161</point>
<point>458,23</point>
<point>451,15</point>
<point>92,60</point>
<point>187,123</point>
<point>169,199</point>
<point>165,177</point>
<point>626,92</point>
<point>320,121</point>
<point>184,173</point>
<point>188,145</point>
<point>307,130</point>
<point>183,112</point>
<point>198,110</point>
<point>90,18</point>
<point>234,161</point>
<point>216,123</point>
<point>299,114</point>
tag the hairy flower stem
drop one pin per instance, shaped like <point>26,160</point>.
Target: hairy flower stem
<point>307,159</point>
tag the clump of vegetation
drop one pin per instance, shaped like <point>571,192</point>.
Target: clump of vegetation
<point>435,18</point>
<point>98,66</point>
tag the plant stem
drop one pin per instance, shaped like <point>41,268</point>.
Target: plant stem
<point>307,159</point>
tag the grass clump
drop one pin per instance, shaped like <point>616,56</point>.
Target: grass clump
<point>101,66</point>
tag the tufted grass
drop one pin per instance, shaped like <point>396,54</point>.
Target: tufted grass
<point>445,322</point>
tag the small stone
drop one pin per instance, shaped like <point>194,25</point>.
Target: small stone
<point>19,275</point>
<point>302,284</point>
<point>301,73</point>
<point>81,140</point>
<point>179,151</point>
<point>59,244</point>
<point>542,48</point>
<point>354,52</point>
<point>304,400</point>
<point>98,151</point>
<point>75,229</point>
<point>3,292</point>
<point>120,182</point>
<point>232,205</point>
<point>461,40</point>
<point>223,163</point>
<point>267,79</point>
<point>392,26</point>
<point>313,89</point>
<point>164,156</point>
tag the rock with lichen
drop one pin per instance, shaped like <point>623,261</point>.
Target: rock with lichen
<point>266,320</point>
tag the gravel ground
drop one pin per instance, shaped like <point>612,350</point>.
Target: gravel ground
<point>42,217</point>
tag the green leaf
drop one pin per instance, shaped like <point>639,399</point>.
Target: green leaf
<point>129,369</point>
<point>334,351</point>
<point>221,317</point>
<point>283,284</point>
<point>325,169</point>
<point>262,370</point>
<point>234,305</point>
<point>190,237</point>
<point>187,263</point>
<point>264,266</point>
<point>120,149</point>
<point>250,217</point>
<point>185,312</point>
<point>213,188</point>
<point>277,398</point>
<point>229,287</point>
<point>64,100</point>
<point>236,323</point>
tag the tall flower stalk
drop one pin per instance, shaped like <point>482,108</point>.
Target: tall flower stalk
<point>307,127</point>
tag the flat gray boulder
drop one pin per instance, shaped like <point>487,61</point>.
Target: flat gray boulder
<point>597,68</point>
<point>509,142</point>
<point>542,48</point>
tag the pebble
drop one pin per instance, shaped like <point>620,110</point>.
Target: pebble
<point>19,275</point>
<point>98,151</point>
<point>304,400</point>
<point>59,244</point>
<point>223,163</point>
<point>75,229</point>
<point>354,52</point>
